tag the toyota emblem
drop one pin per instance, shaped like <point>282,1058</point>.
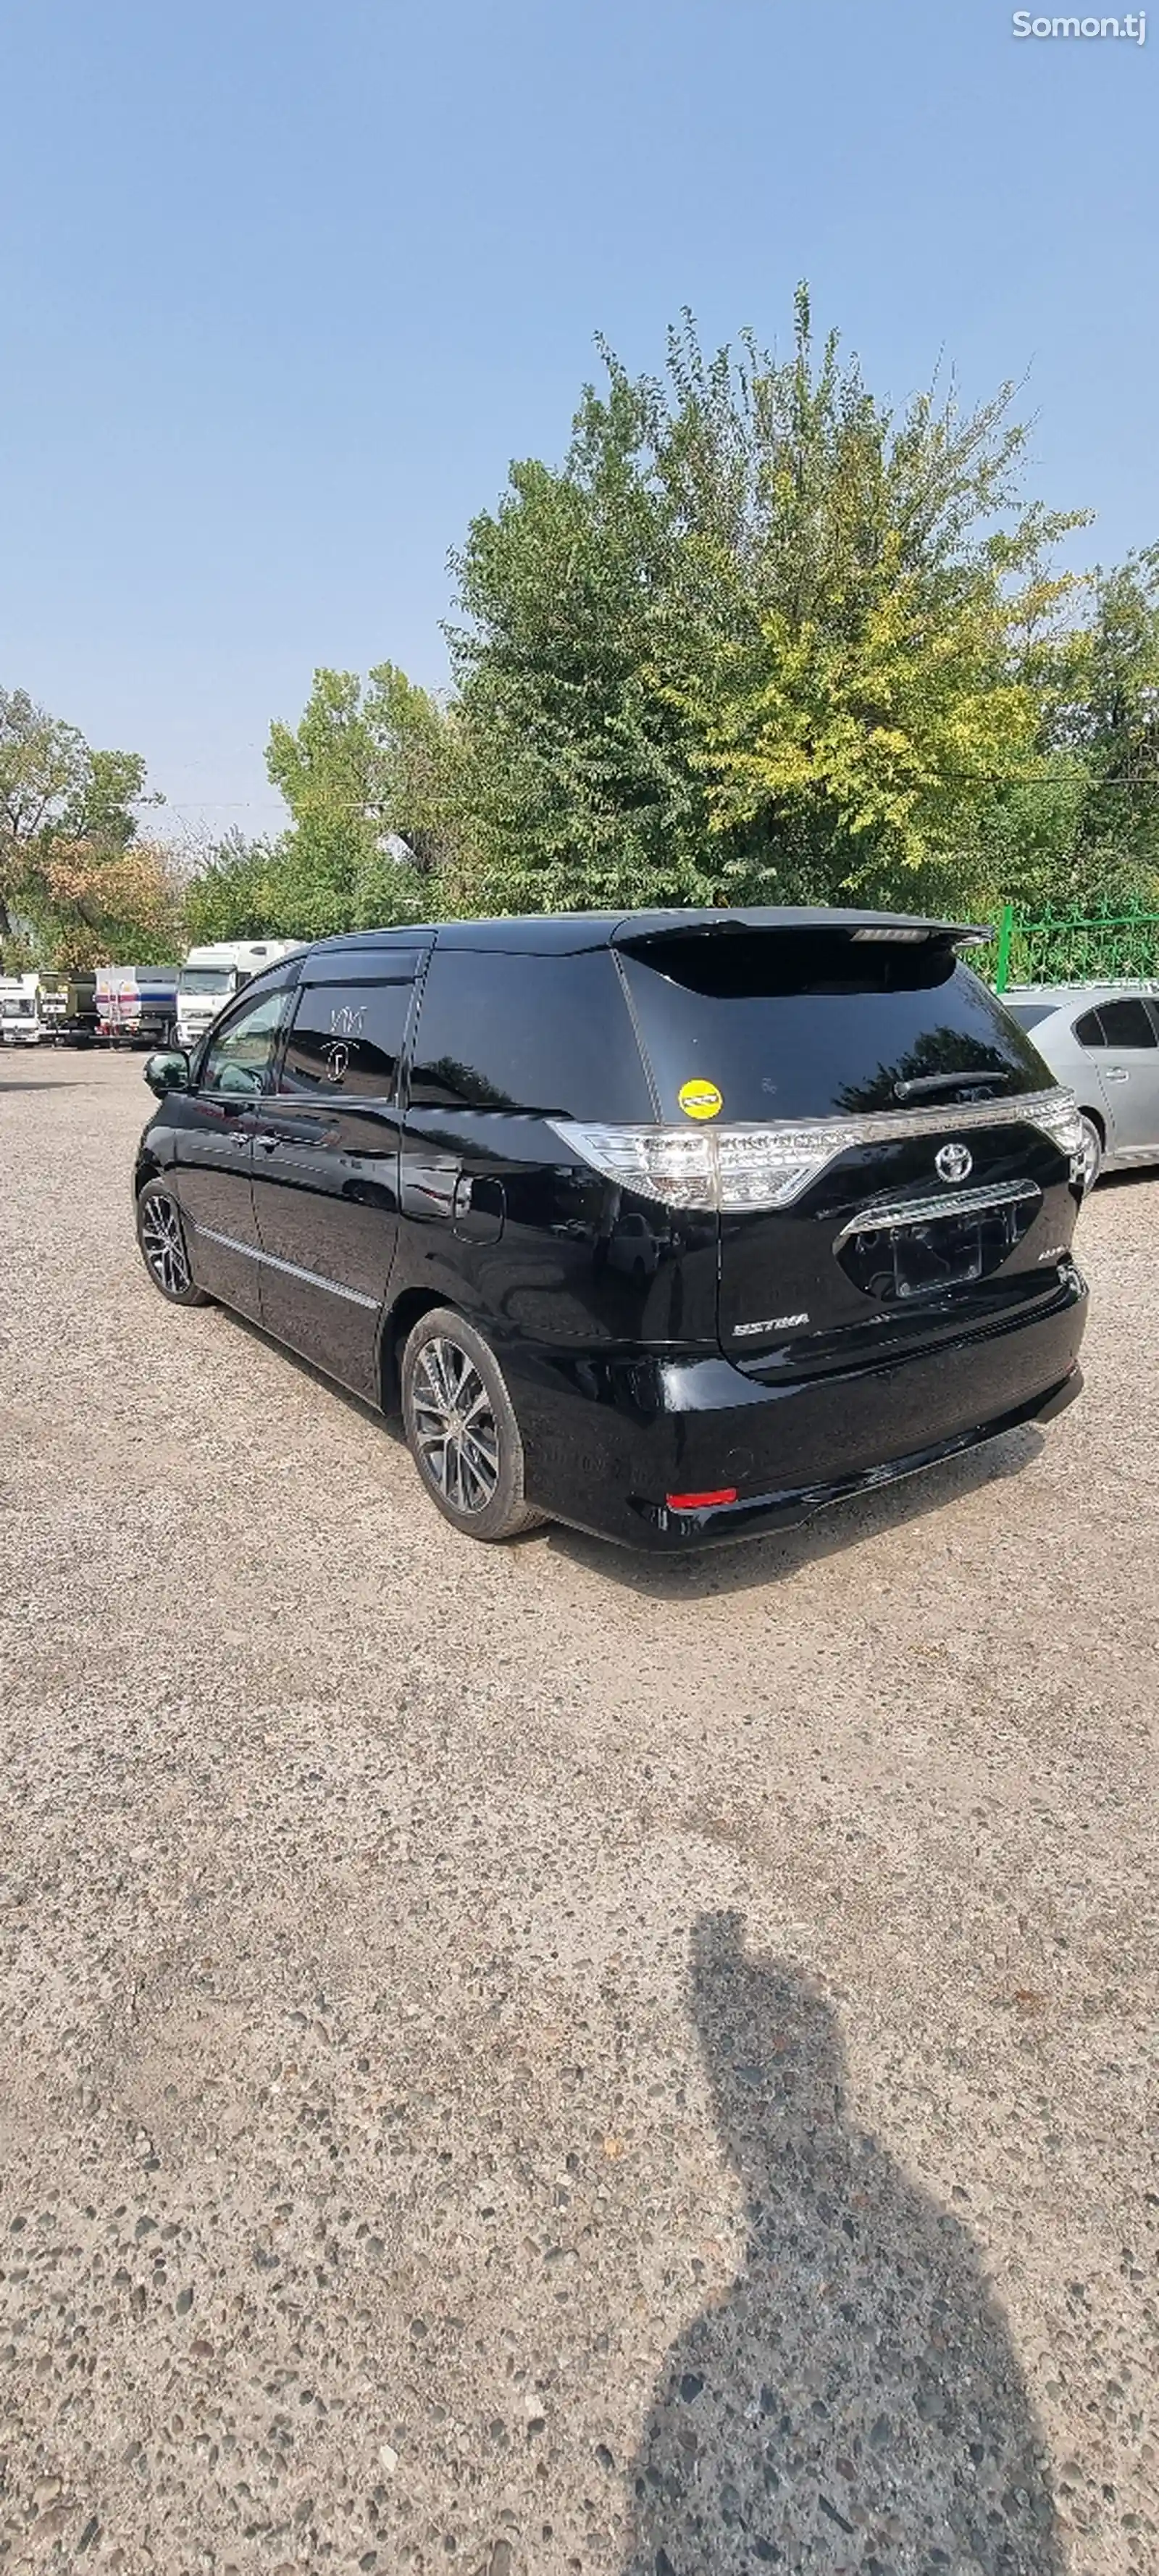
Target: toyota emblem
<point>953,1162</point>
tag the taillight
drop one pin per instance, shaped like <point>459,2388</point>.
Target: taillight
<point>735,1167</point>
<point>729,1167</point>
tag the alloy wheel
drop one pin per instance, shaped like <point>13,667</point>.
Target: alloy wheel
<point>163,1245</point>
<point>1091,1154</point>
<point>454,1425</point>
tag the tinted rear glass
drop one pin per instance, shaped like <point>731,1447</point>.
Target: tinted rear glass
<point>532,1033</point>
<point>1126,1024</point>
<point>799,1024</point>
<point>347,1039</point>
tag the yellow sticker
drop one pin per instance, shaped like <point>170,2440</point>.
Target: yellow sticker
<point>700,1099</point>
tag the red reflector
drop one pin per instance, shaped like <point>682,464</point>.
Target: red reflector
<point>700,1502</point>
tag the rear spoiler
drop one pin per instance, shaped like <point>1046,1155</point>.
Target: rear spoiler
<point>877,929</point>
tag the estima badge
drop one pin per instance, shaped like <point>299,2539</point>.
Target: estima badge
<point>953,1163</point>
<point>769,1324</point>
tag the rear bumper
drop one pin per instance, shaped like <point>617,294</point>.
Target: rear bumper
<point>607,1440</point>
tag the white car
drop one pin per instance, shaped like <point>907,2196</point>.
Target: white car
<point>1102,1040</point>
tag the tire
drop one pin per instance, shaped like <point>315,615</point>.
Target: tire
<point>161,1237</point>
<point>1092,1150</point>
<point>451,1376</point>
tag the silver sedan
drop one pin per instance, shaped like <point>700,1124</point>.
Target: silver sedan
<point>1102,1040</point>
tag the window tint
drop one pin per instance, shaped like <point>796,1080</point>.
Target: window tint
<point>238,1058</point>
<point>533,1033</point>
<point>803,1023</point>
<point>1127,1024</point>
<point>1089,1030</point>
<point>347,1039</point>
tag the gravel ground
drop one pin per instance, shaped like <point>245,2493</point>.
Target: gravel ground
<point>534,2061</point>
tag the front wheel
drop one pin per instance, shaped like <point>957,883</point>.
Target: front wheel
<point>1091,1152</point>
<point>461,1428</point>
<point>161,1236</point>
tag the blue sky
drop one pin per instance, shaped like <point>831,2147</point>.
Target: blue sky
<point>286,287</point>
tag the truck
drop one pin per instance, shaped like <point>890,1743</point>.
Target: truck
<point>67,1003</point>
<point>68,1006</point>
<point>21,1019</point>
<point>136,1005</point>
<point>210,976</point>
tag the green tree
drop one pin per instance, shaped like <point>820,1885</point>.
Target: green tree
<point>101,903</point>
<point>756,639</point>
<point>1081,828</point>
<point>368,776</point>
<point>236,894</point>
<point>43,765</point>
<point>76,880</point>
<point>1112,724</point>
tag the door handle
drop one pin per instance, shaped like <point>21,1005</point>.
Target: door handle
<point>1118,1073</point>
<point>268,1143</point>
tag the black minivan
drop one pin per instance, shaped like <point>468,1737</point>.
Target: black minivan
<point>673,1225</point>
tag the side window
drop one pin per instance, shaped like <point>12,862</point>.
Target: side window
<point>1089,1030</point>
<point>239,1057</point>
<point>544,1033</point>
<point>1127,1024</point>
<point>346,1041</point>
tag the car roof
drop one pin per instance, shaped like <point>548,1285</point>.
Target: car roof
<point>548,934</point>
<point>1069,997</point>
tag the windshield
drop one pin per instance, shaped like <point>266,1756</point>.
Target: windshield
<point>805,1023</point>
<point>15,1007</point>
<point>207,979</point>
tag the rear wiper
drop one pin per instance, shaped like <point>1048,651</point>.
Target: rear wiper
<point>942,1082</point>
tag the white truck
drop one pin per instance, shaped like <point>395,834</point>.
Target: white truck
<point>210,976</point>
<point>21,1019</point>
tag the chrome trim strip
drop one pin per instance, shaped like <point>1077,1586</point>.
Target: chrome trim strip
<point>885,1126</point>
<point>269,1261</point>
<point>880,1220</point>
<point>876,1127</point>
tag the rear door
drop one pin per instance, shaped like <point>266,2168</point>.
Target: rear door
<point>499,1218</point>
<point>866,1095</point>
<point>1121,1036</point>
<point>326,1161</point>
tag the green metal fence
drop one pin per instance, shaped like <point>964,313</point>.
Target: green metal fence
<point>1115,943</point>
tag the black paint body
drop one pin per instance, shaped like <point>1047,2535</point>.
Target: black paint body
<point>367,1174</point>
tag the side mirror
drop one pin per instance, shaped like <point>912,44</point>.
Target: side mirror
<point>168,1070</point>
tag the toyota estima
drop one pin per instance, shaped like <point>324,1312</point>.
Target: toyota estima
<point>675,1226</point>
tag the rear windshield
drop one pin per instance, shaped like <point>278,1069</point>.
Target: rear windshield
<point>802,1024</point>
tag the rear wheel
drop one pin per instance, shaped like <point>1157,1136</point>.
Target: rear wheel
<point>1092,1151</point>
<point>161,1236</point>
<point>461,1428</point>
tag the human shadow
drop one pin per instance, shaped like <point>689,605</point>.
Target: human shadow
<point>854,2401</point>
